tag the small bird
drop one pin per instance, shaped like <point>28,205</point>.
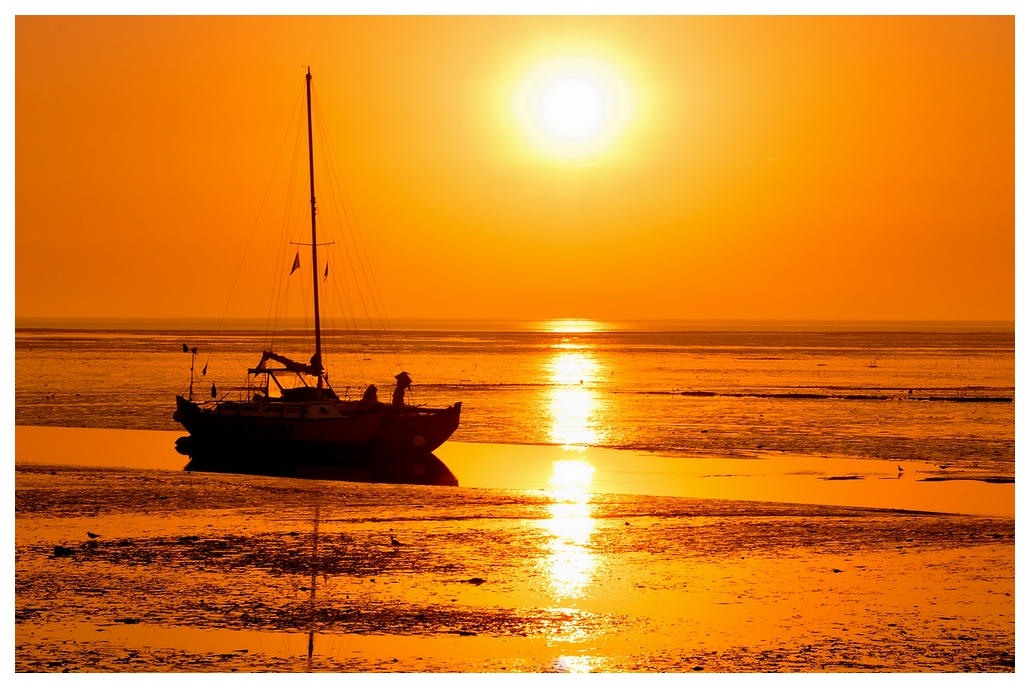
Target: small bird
<point>394,541</point>
<point>91,535</point>
<point>900,469</point>
<point>943,466</point>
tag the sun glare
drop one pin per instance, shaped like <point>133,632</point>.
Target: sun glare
<point>572,326</point>
<point>575,474</point>
<point>573,107</point>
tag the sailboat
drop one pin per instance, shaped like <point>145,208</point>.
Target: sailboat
<point>292,423</point>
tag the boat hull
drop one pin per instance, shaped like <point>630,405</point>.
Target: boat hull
<point>341,441</point>
<point>406,428</point>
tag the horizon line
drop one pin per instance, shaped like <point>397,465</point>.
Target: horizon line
<point>572,325</point>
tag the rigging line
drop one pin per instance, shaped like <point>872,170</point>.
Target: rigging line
<point>264,197</point>
<point>330,345</point>
<point>303,301</point>
<point>299,211</point>
<point>276,295</point>
<point>364,250</point>
<point>301,218</point>
<point>339,284</point>
<point>323,140</point>
<point>347,310</point>
<point>327,324</point>
<point>286,305</point>
<point>336,175</point>
<point>366,270</point>
<point>364,264</point>
<point>290,221</point>
<point>351,331</point>
<point>332,221</point>
<point>357,285</point>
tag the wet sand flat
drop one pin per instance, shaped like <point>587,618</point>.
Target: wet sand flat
<point>773,477</point>
<point>195,572</point>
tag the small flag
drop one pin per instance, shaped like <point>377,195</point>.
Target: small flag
<point>214,392</point>
<point>296,263</point>
<point>326,275</point>
<point>204,371</point>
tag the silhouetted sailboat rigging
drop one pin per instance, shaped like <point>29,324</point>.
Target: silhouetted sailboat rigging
<point>292,423</point>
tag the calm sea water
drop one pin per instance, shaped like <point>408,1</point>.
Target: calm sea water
<point>898,393</point>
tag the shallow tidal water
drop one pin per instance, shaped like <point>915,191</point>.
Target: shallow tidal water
<point>631,500</point>
<point>941,397</point>
<point>207,572</point>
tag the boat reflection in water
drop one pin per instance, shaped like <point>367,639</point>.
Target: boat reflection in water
<point>312,606</point>
<point>319,463</point>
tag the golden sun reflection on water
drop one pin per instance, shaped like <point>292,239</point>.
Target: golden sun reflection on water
<point>573,325</point>
<point>570,561</point>
<point>576,664</point>
<point>572,403</point>
<point>573,408</point>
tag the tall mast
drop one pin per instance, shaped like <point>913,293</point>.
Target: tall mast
<point>314,238</point>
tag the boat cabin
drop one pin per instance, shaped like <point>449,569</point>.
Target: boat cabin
<point>291,383</point>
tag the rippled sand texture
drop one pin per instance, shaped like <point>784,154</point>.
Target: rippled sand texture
<point>215,573</point>
<point>942,398</point>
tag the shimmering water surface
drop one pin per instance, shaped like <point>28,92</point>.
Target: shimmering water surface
<point>895,393</point>
<point>566,557</point>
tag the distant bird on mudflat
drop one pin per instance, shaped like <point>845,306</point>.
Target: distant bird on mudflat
<point>943,466</point>
<point>91,535</point>
<point>900,469</point>
<point>394,541</point>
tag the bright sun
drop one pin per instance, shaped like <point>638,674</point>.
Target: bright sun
<point>573,107</point>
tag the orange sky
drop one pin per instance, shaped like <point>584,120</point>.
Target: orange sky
<point>771,168</point>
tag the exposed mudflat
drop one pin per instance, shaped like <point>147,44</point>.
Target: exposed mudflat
<point>207,572</point>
